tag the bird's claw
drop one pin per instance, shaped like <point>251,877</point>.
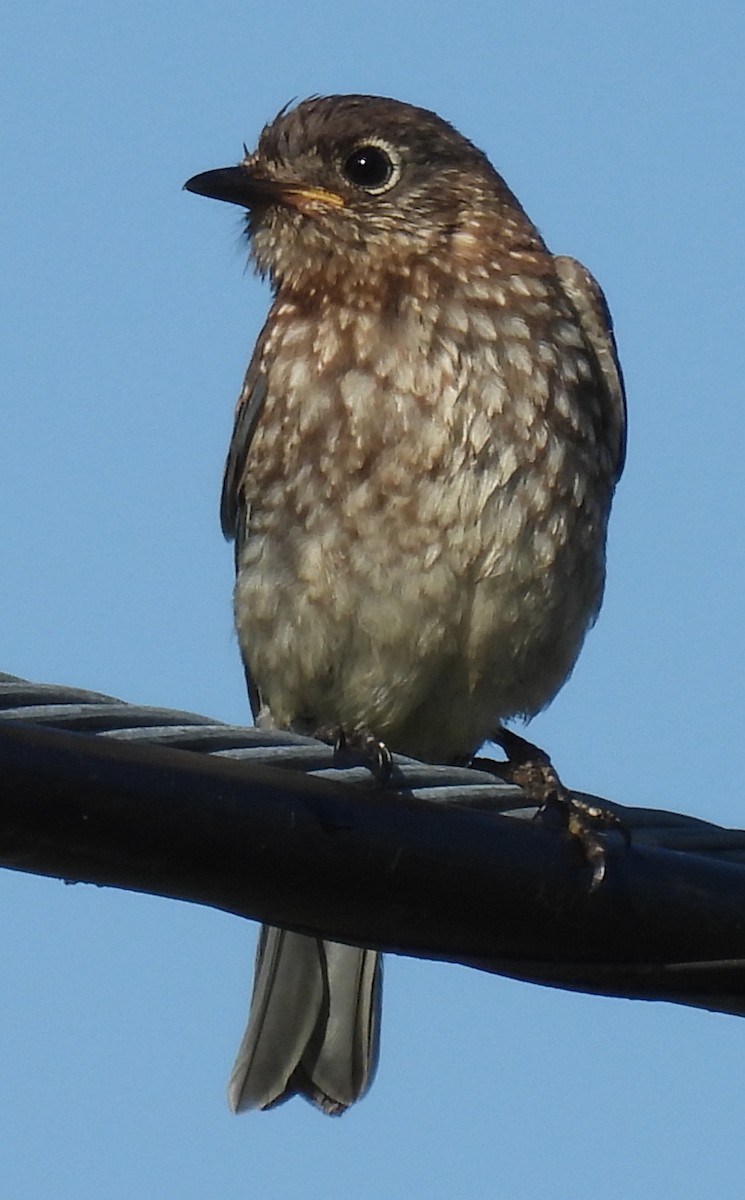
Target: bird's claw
<point>531,769</point>
<point>584,822</point>
<point>360,747</point>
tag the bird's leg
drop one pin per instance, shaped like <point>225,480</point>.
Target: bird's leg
<point>359,747</point>
<point>531,769</point>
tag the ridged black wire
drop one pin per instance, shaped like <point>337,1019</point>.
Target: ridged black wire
<point>59,707</point>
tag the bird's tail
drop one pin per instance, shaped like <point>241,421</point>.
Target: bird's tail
<point>313,1024</point>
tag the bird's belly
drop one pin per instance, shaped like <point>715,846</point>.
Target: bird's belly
<point>425,637</point>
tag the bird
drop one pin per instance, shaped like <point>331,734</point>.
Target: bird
<point>424,455</point>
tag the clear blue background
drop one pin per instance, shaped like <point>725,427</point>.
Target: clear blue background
<point>127,323</point>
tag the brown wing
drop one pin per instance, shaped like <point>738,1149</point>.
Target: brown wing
<point>247,414</point>
<point>586,297</point>
<point>233,509</point>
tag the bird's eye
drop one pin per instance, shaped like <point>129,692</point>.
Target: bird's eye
<point>372,167</point>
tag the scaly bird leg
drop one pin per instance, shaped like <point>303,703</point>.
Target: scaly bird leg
<point>531,769</point>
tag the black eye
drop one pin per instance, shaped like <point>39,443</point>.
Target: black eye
<point>371,167</point>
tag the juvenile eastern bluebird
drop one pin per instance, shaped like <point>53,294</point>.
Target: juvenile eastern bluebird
<point>419,482</point>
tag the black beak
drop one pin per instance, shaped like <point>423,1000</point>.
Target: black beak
<point>242,185</point>
<point>236,185</point>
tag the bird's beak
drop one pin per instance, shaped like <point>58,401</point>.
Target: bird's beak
<point>245,186</point>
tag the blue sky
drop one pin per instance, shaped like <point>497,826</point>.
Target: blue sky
<point>128,320</point>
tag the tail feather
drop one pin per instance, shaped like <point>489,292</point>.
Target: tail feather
<point>313,1024</point>
<point>346,1061</point>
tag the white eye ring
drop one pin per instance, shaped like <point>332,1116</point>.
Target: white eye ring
<point>373,166</point>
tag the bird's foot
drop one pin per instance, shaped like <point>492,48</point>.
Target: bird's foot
<point>531,769</point>
<point>359,748</point>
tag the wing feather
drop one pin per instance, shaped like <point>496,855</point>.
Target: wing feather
<point>248,412</point>
<point>588,301</point>
<point>233,505</point>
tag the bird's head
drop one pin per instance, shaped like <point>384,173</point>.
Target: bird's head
<point>346,188</point>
